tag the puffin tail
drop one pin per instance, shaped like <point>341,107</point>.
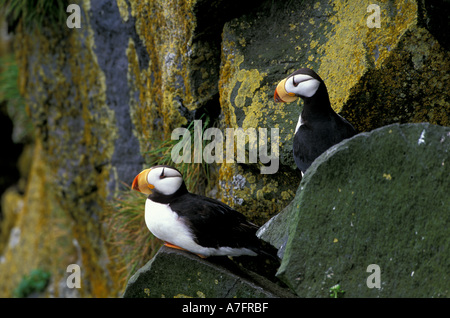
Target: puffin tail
<point>267,250</point>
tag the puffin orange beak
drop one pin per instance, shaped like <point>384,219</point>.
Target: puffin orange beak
<point>281,95</point>
<point>141,184</point>
<point>277,97</point>
<point>135,185</point>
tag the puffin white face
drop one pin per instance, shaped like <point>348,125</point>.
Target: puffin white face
<point>302,85</point>
<point>165,180</point>
<point>162,179</point>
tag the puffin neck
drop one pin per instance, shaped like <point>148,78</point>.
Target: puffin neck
<point>318,104</point>
<point>159,197</point>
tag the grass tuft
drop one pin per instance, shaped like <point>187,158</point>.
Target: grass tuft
<point>130,242</point>
<point>195,175</point>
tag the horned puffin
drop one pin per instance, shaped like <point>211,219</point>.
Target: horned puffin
<point>192,222</point>
<point>318,127</point>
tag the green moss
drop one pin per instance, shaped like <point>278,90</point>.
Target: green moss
<point>350,205</point>
<point>35,282</point>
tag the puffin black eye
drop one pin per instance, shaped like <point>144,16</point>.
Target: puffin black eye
<point>162,176</point>
<point>293,82</point>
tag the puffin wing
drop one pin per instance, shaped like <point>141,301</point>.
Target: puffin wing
<point>215,224</point>
<point>345,127</point>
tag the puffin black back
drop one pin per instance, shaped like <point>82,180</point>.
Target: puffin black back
<point>215,224</point>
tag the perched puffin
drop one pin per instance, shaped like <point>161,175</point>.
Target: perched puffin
<point>191,222</point>
<point>318,127</point>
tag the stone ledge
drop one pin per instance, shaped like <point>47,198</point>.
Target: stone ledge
<point>174,274</point>
<point>378,198</point>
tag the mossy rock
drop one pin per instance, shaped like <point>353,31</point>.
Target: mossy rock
<point>377,198</point>
<point>178,274</point>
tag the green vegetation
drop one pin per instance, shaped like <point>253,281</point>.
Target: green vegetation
<point>15,103</point>
<point>336,291</point>
<point>131,243</point>
<point>35,282</point>
<point>35,13</point>
<point>195,175</point>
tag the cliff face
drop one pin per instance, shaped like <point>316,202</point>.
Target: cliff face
<point>102,96</point>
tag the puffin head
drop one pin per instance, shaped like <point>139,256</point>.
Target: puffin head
<point>302,83</point>
<point>164,180</point>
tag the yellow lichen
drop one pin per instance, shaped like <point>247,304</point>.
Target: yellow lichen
<point>83,101</point>
<point>201,294</point>
<point>344,56</point>
<point>171,32</point>
<point>244,102</point>
<point>180,296</point>
<point>39,213</point>
<point>123,9</point>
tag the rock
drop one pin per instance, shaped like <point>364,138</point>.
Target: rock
<point>39,235</point>
<point>377,198</point>
<point>275,231</point>
<point>396,74</point>
<point>102,96</point>
<point>174,273</point>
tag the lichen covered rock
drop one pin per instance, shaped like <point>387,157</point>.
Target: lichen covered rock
<point>102,96</point>
<point>375,76</point>
<point>377,198</point>
<point>40,236</point>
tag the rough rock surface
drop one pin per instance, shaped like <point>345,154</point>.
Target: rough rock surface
<point>174,273</point>
<point>375,76</point>
<point>100,97</point>
<point>377,198</point>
